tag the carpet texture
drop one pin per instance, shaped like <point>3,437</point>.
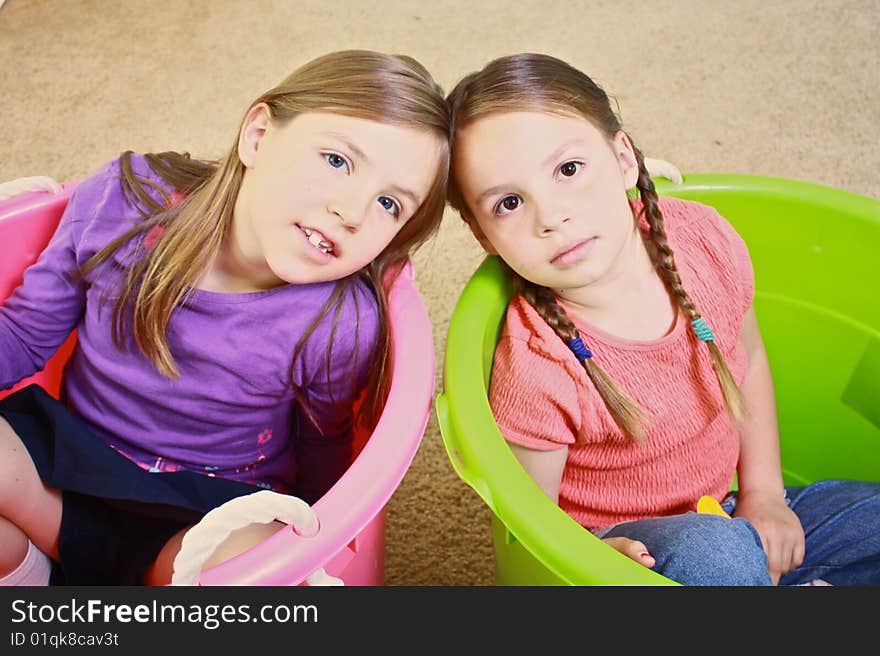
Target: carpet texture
<point>783,88</point>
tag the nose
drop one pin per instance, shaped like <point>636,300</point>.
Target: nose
<point>549,220</point>
<point>552,208</point>
<point>349,212</point>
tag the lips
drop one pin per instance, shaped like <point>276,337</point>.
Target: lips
<point>318,239</point>
<point>571,250</point>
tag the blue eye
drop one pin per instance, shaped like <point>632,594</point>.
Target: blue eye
<point>389,205</point>
<point>508,204</point>
<point>336,161</point>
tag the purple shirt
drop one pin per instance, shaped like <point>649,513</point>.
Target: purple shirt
<point>232,412</point>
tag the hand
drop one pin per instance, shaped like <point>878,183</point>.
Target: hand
<point>632,548</point>
<point>782,535</point>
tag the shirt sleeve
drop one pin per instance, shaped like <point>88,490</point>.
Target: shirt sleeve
<point>533,397</point>
<point>740,261</point>
<point>43,310</point>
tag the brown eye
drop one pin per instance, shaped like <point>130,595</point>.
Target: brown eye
<point>569,169</point>
<point>508,204</point>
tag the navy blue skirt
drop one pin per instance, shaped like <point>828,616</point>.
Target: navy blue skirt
<point>116,516</point>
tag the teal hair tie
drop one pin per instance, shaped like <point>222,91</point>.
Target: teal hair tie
<point>701,328</point>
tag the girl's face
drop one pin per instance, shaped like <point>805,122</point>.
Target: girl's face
<point>547,193</point>
<point>323,195</point>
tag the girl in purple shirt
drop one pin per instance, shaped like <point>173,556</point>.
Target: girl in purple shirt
<point>229,314</point>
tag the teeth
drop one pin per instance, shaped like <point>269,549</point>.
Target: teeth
<point>318,241</point>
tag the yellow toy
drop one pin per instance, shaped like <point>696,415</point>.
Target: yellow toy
<point>709,505</point>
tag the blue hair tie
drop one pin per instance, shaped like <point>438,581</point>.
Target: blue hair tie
<point>581,352</point>
<point>701,328</point>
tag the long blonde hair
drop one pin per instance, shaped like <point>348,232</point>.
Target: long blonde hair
<point>393,89</point>
<point>529,82</point>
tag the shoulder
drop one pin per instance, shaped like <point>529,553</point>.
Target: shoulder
<point>102,193</point>
<point>349,319</point>
<point>695,224</point>
<point>710,254</point>
<point>525,328</point>
<point>100,209</point>
<point>530,351</point>
<point>360,307</point>
<point>535,392</point>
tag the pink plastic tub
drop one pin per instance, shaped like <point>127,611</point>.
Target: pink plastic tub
<point>350,543</point>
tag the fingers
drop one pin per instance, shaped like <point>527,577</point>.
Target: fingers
<point>774,558</point>
<point>799,552</point>
<point>775,567</point>
<point>784,553</point>
<point>633,549</point>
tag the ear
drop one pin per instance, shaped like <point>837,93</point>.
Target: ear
<point>478,233</point>
<point>253,128</point>
<point>626,158</point>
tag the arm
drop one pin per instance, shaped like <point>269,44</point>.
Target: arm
<point>51,300</point>
<point>545,468</point>
<point>761,490</point>
<point>41,312</point>
<point>536,406</point>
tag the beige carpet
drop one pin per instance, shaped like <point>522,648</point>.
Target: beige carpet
<point>785,88</point>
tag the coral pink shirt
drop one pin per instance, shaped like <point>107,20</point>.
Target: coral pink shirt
<point>543,399</point>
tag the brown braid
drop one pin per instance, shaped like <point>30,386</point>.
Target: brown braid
<point>664,262</point>
<point>624,410</point>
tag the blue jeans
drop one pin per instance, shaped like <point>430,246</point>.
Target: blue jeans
<point>841,521</point>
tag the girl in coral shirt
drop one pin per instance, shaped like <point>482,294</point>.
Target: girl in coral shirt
<point>630,378</point>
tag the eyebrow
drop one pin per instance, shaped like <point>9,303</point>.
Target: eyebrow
<point>362,155</point>
<point>409,194</point>
<point>549,160</point>
<point>558,152</point>
<point>490,192</point>
<point>341,137</point>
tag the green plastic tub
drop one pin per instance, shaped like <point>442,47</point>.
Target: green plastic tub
<point>816,253</point>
